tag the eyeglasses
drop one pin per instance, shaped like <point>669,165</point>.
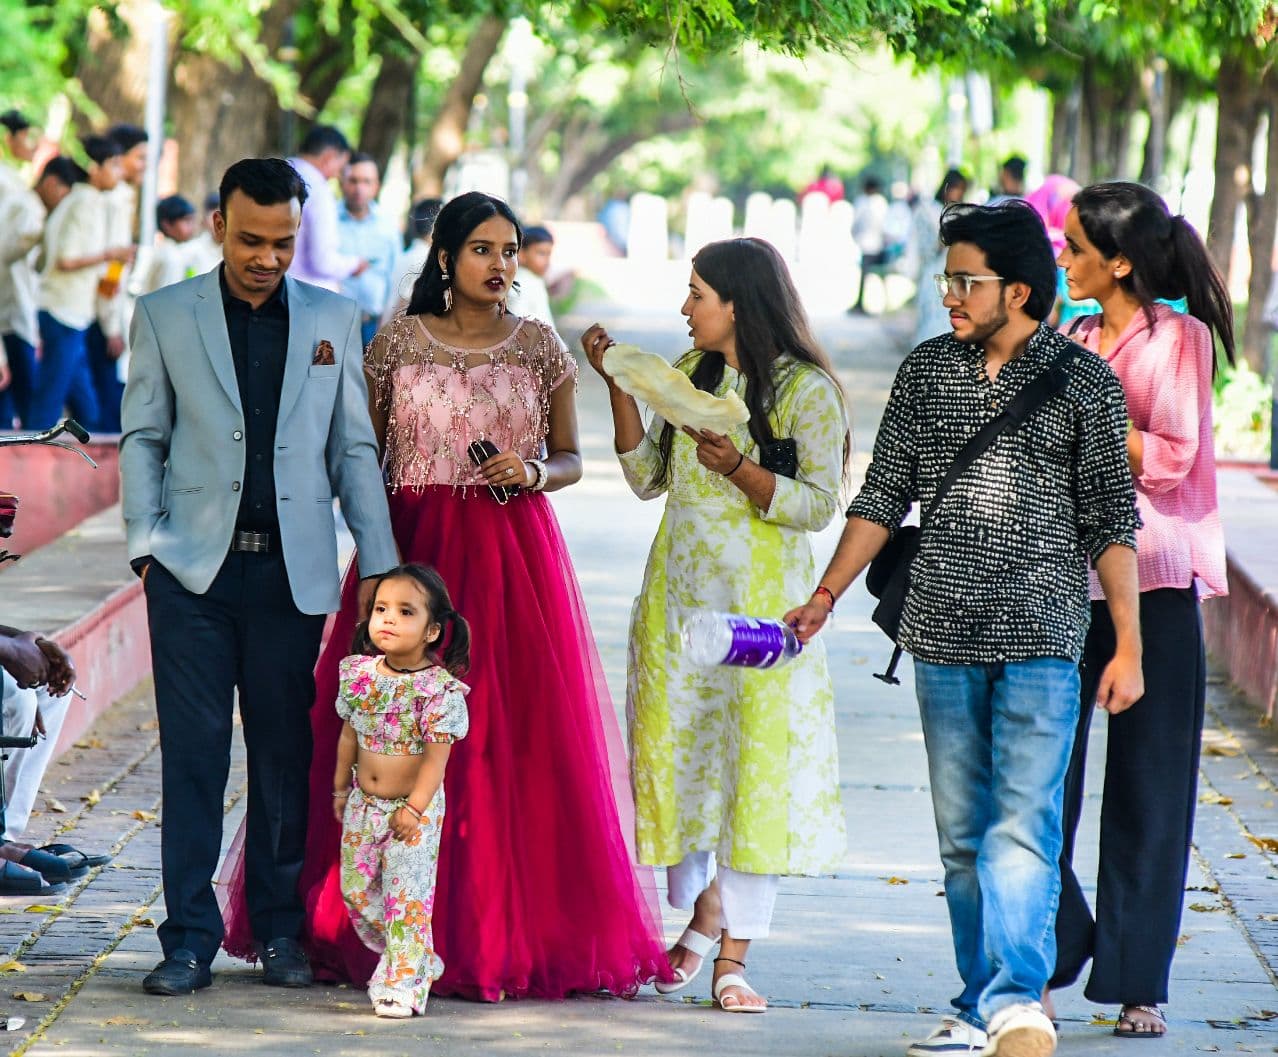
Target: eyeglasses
<point>960,286</point>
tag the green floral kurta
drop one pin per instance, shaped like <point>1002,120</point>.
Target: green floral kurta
<point>736,761</point>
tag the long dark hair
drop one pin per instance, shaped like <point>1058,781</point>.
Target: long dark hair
<point>453,226</point>
<point>1167,255</point>
<point>452,649</point>
<point>769,322</point>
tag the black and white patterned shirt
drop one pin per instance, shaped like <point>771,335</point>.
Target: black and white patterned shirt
<point>1001,573</point>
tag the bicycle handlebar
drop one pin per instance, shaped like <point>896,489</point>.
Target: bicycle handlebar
<point>49,437</point>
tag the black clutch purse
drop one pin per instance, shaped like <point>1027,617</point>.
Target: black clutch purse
<point>480,451</point>
<point>781,457</point>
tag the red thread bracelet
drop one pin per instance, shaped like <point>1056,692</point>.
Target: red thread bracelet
<point>823,590</point>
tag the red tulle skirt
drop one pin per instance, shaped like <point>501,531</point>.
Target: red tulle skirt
<point>537,892</point>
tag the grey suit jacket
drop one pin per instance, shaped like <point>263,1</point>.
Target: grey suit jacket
<point>182,442</point>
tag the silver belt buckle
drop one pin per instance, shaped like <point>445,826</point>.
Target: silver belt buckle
<point>252,542</point>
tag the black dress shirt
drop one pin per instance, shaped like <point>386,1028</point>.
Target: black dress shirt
<point>259,347</point>
<point>1001,573</point>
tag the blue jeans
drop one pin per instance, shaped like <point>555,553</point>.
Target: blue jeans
<point>62,379</point>
<point>15,402</point>
<point>998,742</point>
<point>107,387</point>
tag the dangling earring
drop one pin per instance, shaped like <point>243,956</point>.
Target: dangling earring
<point>448,293</point>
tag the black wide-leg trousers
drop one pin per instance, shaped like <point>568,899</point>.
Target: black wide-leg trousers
<point>244,634</point>
<point>1147,814</point>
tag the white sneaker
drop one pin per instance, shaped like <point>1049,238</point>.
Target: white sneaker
<point>1021,1030</point>
<point>953,1036</point>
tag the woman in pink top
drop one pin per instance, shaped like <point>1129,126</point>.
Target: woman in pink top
<point>1123,248</point>
<point>537,892</point>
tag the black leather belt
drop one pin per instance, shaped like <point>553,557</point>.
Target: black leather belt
<point>253,542</point>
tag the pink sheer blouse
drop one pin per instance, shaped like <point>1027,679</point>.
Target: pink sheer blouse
<point>438,398</point>
<point>1166,376</point>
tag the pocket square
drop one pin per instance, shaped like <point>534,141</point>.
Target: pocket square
<point>323,355</point>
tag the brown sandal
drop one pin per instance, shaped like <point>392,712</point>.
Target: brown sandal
<point>1131,1031</point>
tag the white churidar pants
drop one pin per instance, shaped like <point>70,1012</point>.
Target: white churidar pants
<point>747,899</point>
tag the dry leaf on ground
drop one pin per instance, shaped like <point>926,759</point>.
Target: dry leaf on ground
<point>12,967</point>
<point>898,880</point>
<point>92,798</point>
<point>1264,843</point>
<point>144,816</point>
<point>30,996</point>
<point>56,806</point>
<point>1213,797</point>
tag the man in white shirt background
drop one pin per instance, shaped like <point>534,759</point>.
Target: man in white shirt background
<point>365,234</point>
<point>108,361</point>
<point>529,296</point>
<point>176,255</point>
<point>318,258</point>
<point>75,252</point>
<point>869,222</point>
<point>21,225</point>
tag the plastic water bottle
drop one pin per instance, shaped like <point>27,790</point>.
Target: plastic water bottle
<point>712,638</point>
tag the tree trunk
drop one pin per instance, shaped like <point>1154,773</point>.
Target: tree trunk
<point>113,70</point>
<point>1238,115</point>
<point>385,117</point>
<point>582,166</point>
<point>221,114</point>
<point>1059,154</point>
<point>1157,87</point>
<point>1263,226</point>
<point>448,133</point>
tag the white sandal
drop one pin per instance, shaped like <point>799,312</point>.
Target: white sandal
<point>392,1008</point>
<point>735,980</point>
<point>694,943</point>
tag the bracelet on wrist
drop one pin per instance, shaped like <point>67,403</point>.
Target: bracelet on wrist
<point>412,810</point>
<point>339,793</point>
<point>822,590</point>
<point>542,474</point>
<point>740,460</point>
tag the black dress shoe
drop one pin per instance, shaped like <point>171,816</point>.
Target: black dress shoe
<point>284,963</point>
<point>181,973</point>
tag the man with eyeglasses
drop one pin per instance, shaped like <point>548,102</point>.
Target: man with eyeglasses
<point>997,607</point>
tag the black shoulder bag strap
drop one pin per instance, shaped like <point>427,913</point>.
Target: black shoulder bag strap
<point>1029,399</point>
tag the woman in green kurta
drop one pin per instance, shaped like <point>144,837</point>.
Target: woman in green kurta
<point>733,768</point>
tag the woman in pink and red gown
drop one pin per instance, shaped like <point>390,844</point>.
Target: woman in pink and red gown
<point>537,892</point>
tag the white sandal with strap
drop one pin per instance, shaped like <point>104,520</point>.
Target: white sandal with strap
<point>694,943</point>
<point>735,980</point>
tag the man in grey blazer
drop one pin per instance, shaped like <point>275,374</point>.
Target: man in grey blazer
<point>244,414</point>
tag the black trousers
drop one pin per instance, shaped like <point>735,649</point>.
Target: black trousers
<point>244,634</point>
<point>1147,815</point>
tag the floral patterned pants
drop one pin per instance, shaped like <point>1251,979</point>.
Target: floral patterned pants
<point>389,887</point>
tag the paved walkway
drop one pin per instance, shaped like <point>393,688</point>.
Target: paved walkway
<point>859,963</point>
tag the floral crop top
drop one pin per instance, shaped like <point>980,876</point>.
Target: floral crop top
<point>398,715</point>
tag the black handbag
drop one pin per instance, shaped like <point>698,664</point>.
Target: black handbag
<point>781,457</point>
<point>888,577</point>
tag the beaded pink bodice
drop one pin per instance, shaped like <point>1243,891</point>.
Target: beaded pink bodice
<point>438,398</point>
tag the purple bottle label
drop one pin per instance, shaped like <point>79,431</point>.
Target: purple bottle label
<point>755,643</point>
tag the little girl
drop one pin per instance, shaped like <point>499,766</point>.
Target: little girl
<point>403,708</point>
